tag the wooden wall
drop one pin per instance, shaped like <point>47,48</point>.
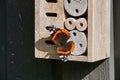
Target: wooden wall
<point>19,56</point>
<point>2,40</point>
<point>117,38</point>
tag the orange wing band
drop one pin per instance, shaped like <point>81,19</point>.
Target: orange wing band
<point>60,31</point>
<point>66,32</point>
<point>61,52</point>
<point>73,47</point>
<point>66,52</point>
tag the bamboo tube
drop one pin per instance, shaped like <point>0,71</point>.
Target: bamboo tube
<point>70,23</point>
<point>81,24</point>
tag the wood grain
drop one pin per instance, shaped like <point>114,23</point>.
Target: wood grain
<point>98,29</point>
<point>42,7</point>
<point>99,38</point>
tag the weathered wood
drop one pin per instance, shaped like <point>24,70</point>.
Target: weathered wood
<point>98,29</point>
<point>116,6</point>
<point>86,71</point>
<point>101,72</point>
<point>42,7</point>
<point>111,60</point>
<point>21,64</point>
<point>2,40</point>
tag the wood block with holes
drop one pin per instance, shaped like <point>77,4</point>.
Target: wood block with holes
<point>52,12</point>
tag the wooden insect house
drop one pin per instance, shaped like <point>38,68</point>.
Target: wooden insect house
<point>87,22</point>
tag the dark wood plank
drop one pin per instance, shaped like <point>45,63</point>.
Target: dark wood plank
<point>117,38</point>
<point>86,71</point>
<point>21,63</point>
<point>2,40</point>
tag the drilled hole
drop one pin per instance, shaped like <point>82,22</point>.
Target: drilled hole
<point>74,34</point>
<point>81,45</point>
<point>77,11</point>
<point>81,24</point>
<point>49,42</point>
<point>51,14</point>
<point>70,22</point>
<point>69,1</point>
<point>52,1</point>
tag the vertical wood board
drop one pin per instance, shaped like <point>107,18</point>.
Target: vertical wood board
<point>99,29</point>
<point>42,7</point>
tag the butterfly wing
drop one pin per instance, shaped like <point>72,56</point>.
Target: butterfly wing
<point>66,49</point>
<point>60,37</point>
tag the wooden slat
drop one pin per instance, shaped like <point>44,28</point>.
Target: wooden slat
<point>21,63</point>
<point>116,11</point>
<point>98,29</point>
<point>41,21</point>
<point>86,71</point>
<point>2,40</point>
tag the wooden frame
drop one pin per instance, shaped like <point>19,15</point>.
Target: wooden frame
<point>98,30</point>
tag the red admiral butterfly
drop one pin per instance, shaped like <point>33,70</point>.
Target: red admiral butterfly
<point>60,37</point>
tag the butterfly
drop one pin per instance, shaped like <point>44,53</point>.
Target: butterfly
<point>60,38</point>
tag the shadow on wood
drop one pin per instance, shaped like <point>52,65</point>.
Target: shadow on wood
<point>80,70</point>
<point>43,45</point>
<point>47,49</point>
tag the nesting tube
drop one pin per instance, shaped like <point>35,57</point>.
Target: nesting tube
<point>76,8</point>
<point>80,41</point>
<point>81,24</point>
<point>70,23</point>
